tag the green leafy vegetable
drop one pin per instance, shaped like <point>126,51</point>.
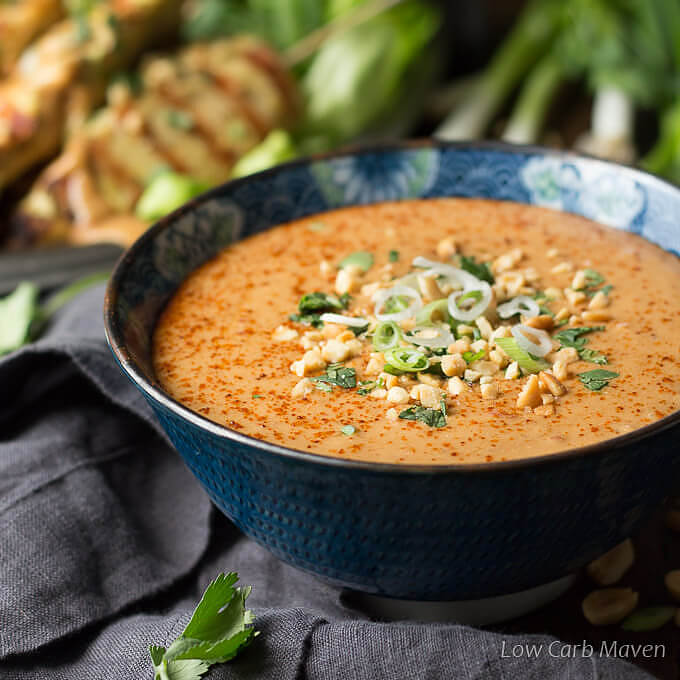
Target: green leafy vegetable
<point>22,319</point>
<point>307,319</point>
<point>337,374</point>
<point>649,618</point>
<point>593,278</point>
<point>165,192</point>
<point>219,629</point>
<point>393,256</point>
<point>257,396</point>
<point>471,356</point>
<point>368,386</point>
<point>479,269</point>
<point>593,356</point>
<point>596,379</point>
<point>17,312</point>
<point>429,416</point>
<point>361,259</point>
<point>348,430</point>
<point>573,337</point>
<point>322,302</point>
<point>526,362</point>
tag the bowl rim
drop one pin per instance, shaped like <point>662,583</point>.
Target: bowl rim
<point>131,369</point>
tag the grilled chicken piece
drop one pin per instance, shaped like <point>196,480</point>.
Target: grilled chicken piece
<point>197,113</point>
<point>60,78</point>
<point>20,23</point>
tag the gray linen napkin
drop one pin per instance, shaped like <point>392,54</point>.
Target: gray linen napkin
<point>107,542</point>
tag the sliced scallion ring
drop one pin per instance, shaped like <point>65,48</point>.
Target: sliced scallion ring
<point>458,278</point>
<point>522,304</point>
<point>471,303</point>
<point>386,335</point>
<point>532,340</point>
<point>438,310</point>
<point>353,321</point>
<point>525,361</point>
<point>396,293</point>
<point>407,360</point>
<point>431,336</point>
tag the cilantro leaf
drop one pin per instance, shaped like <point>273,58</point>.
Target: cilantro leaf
<point>218,630</point>
<point>593,356</point>
<point>429,416</point>
<point>313,320</point>
<point>337,374</point>
<point>593,278</point>
<point>573,337</point>
<point>479,269</point>
<point>322,302</point>
<point>393,256</point>
<point>596,379</point>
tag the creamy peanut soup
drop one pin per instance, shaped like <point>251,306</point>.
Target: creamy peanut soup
<point>434,331</point>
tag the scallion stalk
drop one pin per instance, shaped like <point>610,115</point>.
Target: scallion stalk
<point>528,115</point>
<point>528,39</point>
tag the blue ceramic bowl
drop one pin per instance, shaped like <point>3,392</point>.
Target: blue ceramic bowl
<point>450,532</point>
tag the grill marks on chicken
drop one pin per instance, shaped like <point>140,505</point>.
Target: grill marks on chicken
<point>196,113</point>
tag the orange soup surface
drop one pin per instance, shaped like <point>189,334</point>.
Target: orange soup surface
<point>461,331</point>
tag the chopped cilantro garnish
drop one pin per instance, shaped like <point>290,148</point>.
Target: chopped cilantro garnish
<point>307,319</point>
<point>367,386</point>
<point>593,356</point>
<point>593,278</point>
<point>361,259</point>
<point>605,290</point>
<point>573,337</point>
<point>471,356</point>
<point>597,379</point>
<point>348,430</point>
<point>429,416</point>
<point>219,629</point>
<point>393,255</point>
<point>257,396</point>
<point>479,269</point>
<point>545,310</point>
<point>337,374</point>
<point>322,302</point>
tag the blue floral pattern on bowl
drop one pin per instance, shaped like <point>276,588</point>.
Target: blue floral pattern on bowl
<point>452,532</point>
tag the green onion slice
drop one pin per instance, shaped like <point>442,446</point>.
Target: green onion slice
<point>386,335</point>
<point>361,259</point>
<point>526,362</point>
<point>431,336</point>
<point>405,359</point>
<point>438,310</point>
<point>480,295</point>
<point>385,297</point>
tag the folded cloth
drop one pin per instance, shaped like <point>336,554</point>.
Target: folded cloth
<point>107,542</point>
